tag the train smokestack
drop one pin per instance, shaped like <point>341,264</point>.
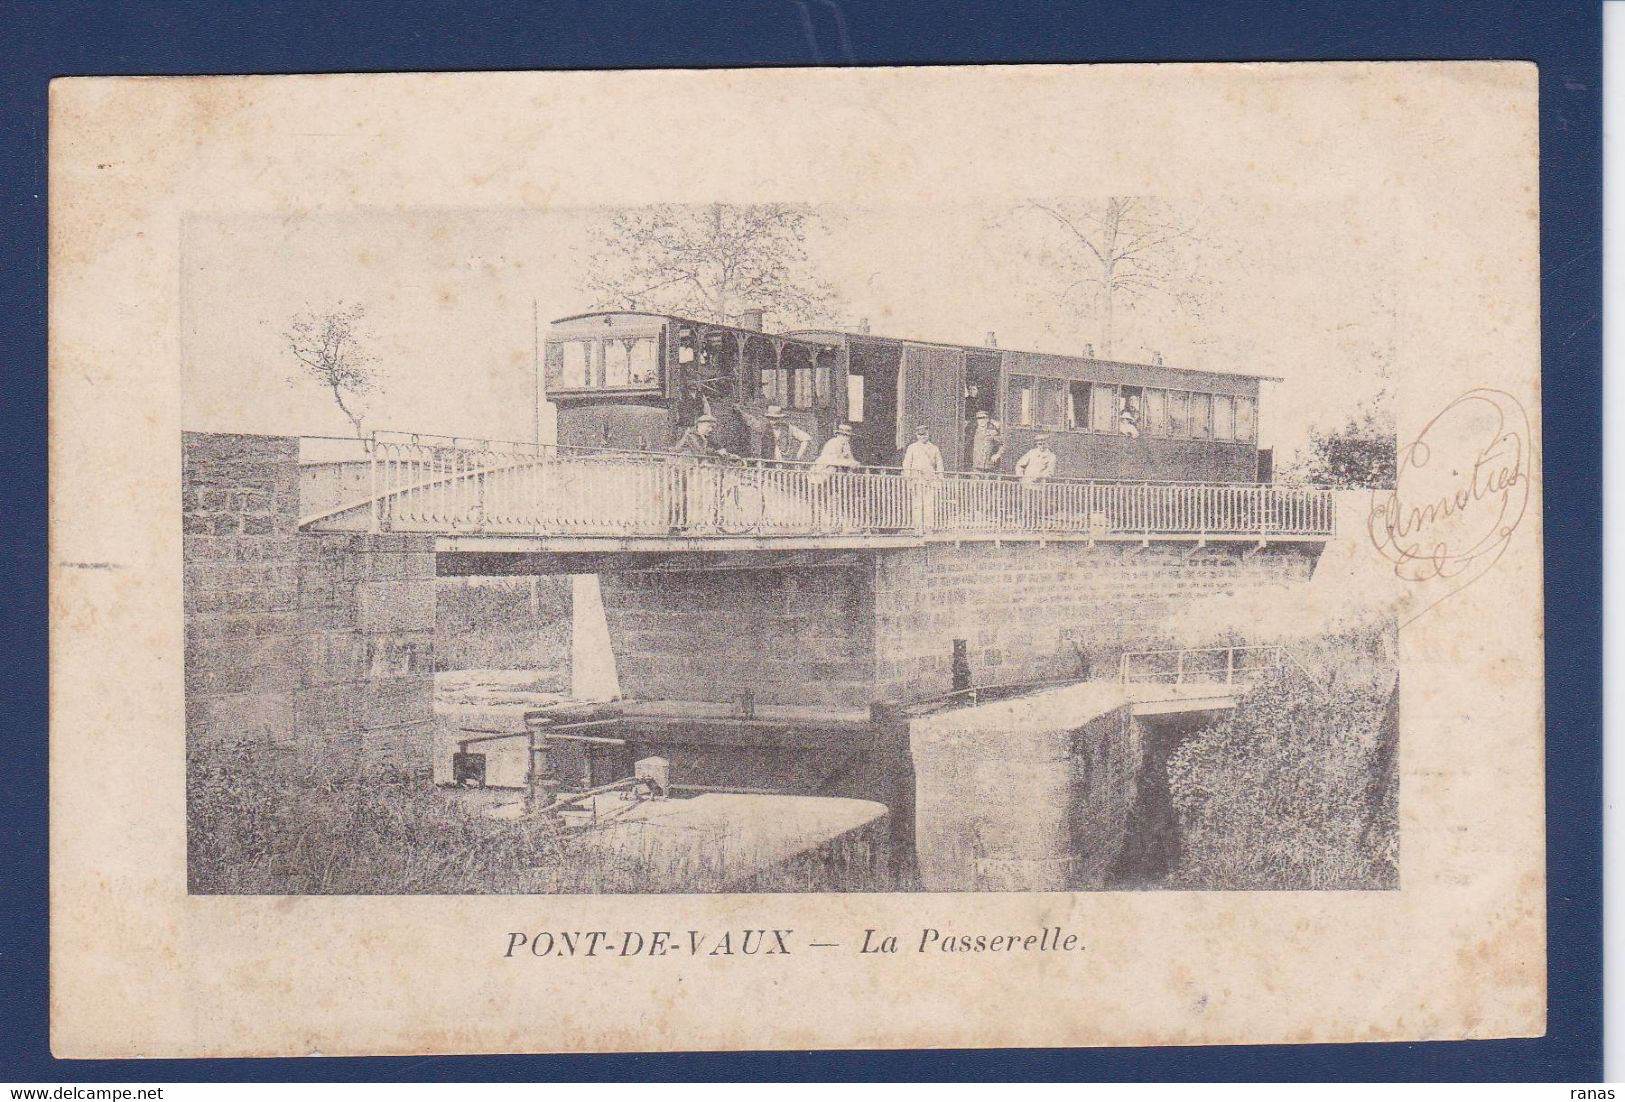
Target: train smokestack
<point>1088,351</point>
<point>752,319</point>
<point>863,325</point>
<point>992,339</point>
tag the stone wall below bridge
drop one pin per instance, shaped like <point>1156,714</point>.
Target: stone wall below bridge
<point>321,643</point>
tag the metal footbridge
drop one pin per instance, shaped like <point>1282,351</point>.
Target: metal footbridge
<point>483,495</point>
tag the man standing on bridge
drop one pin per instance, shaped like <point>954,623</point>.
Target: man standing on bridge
<point>783,441</point>
<point>1038,465</point>
<point>1035,469</point>
<point>825,478</point>
<point>922,466</point>
<point>696,492</point>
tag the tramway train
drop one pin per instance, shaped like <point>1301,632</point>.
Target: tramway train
<point>633,380</point>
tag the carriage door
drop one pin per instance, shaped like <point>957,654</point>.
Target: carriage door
<point>931,391</point>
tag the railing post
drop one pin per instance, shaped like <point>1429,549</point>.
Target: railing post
<point>1230,665</point>
<point>372,478</point>
<point>1179,668</point>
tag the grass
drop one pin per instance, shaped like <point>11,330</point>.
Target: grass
<point>268,822</point>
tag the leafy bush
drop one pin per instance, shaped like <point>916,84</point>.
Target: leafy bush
<point>1362,453</point>
<point>1297,787</point>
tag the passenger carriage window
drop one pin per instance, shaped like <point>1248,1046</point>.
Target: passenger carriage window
<point>1246,427</point>
<point>770,387</point>
<point>1130,410</point>
<point>617,363</point>
<point>1224,417</point>
<point>1077,407</point>
<point>643,361</point>
<point>854,398</point>
<point>820,375</point>
<point>1051,403</point>
<point>577,364</point>
<point>1155,420</point>
<point>1019,401</point>
<point>1201,416</point>
<point>801,396</point>
<point>553,363</point>
<point>1178,418</point>
<point>1103,414</point>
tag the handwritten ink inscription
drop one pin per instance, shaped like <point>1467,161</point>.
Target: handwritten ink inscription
<point>1460,491</point>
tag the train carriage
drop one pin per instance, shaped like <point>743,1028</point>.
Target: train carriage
<point>633,380</point>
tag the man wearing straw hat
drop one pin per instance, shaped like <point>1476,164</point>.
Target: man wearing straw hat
<point>825,477</point>
<point>783,441</point>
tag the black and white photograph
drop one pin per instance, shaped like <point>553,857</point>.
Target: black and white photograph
<point>788,547</point>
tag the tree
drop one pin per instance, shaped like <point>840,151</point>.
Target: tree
<point>1362,453</point>
<point>1110,255</point>
<point>710,263</point>
<point>332,351</point>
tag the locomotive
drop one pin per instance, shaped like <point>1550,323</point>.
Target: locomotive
<point>634,380</point>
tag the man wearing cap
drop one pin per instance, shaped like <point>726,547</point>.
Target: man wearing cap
<point>987,446</point>
<point>1035,468</point>
<point>697,440</point>
<point>922,465</point>
<point>1038,465</point>
<point>783,442</point>
<point>698,492</point>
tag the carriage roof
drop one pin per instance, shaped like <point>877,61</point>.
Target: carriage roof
<point>841,336</point>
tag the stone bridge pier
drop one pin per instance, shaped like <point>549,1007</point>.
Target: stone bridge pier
<point>319,643</point>
<point>844,629</point>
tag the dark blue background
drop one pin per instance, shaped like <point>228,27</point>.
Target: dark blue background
<point>68,38</point>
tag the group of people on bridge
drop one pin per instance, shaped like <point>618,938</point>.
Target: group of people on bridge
<point>784,442</point>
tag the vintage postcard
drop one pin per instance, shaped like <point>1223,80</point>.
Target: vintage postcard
<point>956,557</point>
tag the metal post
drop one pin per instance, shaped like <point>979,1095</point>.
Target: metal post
<point>372,477</point>
<point>1179,668</point>
<point>1230,665</point>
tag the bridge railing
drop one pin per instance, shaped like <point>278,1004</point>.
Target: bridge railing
<point>450,485</point>
<point>1224,665</point>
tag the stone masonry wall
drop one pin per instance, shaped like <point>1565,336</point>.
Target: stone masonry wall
<point>1028,612</point>
<point>316,642</point>
<point>801,636</point>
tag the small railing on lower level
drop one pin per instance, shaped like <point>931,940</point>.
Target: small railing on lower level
<point>459,486</point>
<point>1205,665</point>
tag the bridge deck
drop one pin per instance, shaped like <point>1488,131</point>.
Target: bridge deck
<point>581,499</point>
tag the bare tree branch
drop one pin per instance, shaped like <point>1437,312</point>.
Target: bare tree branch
<point>1123,250</point>
<point>331,350</point>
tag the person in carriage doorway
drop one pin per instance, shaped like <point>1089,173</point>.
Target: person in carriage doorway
<point>1036,468</point>
<point>783,442</point>
<point>987,444</point>
<point>922,466</point>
